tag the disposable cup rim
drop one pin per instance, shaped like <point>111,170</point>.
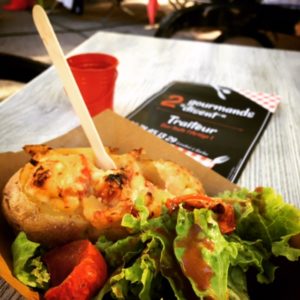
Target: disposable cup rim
<point>113,66</point>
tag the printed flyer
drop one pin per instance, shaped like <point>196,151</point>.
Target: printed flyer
<point>216,126</point>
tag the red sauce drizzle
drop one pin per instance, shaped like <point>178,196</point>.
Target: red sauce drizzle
<point>193,263</point>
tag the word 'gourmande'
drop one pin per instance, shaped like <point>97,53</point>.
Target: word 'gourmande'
<point>210,110</point>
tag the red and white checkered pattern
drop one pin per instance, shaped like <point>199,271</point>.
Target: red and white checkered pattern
<point>268,101</point>
<point>206,161</point>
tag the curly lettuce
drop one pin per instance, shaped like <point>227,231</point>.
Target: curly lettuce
<point>268,219</point>
<point>27,264</point>
<point>184,255</point>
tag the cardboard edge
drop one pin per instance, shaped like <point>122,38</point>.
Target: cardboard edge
<point>7,275</point>
<point>125,136</point>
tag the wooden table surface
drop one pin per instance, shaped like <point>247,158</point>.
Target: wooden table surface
<point>41,111</point>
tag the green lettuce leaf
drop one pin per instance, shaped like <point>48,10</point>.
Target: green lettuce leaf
<point>203,253</point>
<point>134,280</point>
<point>166,261</point>
<point>121,252</point>
<point>27,264</point>
<point>144,260</point>
<point>253,254</point>
<point>270,220</point>
<point>237,284</point>
<point>136,224</point>
<point>184,255</point>
<point>240,201</point>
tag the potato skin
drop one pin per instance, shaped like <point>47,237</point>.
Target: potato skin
<point>41,224</point>
<point>46,225</point>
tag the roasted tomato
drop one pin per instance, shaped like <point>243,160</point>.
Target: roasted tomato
<point>224,211</point>
<point>77,271</point>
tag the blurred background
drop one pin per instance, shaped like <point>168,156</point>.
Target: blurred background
<point>273,24</point>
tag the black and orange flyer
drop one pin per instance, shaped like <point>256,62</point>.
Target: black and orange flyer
<point>216,126</point>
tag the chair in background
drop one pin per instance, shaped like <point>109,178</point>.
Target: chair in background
<point>249,18</point>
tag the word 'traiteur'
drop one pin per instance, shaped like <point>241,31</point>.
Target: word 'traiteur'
<point>193,125</point>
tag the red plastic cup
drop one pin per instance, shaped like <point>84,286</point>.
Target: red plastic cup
<point>95,74</point>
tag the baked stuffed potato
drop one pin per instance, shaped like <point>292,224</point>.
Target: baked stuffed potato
<point>61,196</point>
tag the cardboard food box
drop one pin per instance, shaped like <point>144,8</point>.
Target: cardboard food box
<point>115,132</point>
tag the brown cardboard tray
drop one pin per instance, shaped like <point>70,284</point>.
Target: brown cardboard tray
<point>115,132</point>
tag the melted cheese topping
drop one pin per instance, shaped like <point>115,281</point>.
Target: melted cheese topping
<point>68,180</point>
<point>71,182</point>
